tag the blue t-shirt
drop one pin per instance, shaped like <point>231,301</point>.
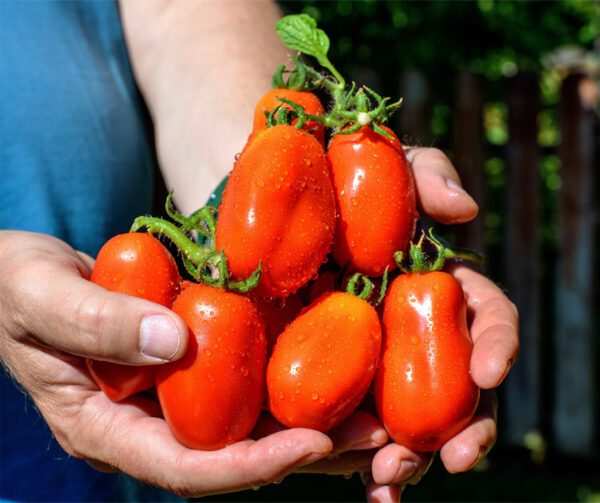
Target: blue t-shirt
<point>77,162</point>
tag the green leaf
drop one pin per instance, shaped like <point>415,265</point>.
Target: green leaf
<point>299,32</point>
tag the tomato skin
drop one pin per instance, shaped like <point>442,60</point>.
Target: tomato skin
<point>277,315</point>
<point>311,104</point>
<point>139,265</point>
<point>376,200</point>
<point>423,389</point>
<point>324,362</point>
<point>213,395</point>
<point>278,208</point>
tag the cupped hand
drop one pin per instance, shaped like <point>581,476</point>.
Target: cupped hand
<point>53,318</point>
<point>493,328</point>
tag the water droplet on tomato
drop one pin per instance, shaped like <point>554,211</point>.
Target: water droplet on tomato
<point>260,183</point>
<point>207,352</point>
<point>314,396</point>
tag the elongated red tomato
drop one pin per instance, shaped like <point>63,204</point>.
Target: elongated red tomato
<point>375,197</point>
<point>311,104</point>
<point>278,208</point>
<point>323,363</point>
<point>139,265</point>
<point>212,396</point>
<point>423,389</point>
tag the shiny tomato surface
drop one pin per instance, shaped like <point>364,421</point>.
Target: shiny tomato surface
<point>423,388</point>
<point>213,395</point>
<point>375,197</point>
<point>323,363</point>
<point>135,264</point>
<point>278,209</point>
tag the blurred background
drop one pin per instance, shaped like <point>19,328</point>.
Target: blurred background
<point>509,90</point>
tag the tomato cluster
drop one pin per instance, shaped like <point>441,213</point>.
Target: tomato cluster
<point>315,200</point>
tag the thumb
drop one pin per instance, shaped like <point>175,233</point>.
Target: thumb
<point>59,308</point>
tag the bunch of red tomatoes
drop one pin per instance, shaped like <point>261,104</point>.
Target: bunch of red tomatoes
<point>270,324</point>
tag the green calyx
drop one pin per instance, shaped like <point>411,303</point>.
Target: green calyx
<point>361,108</point>
<point>420,261</point>
<point>297,78</point>
<point>363,287</point>
<point>202,262</point>
<point>283,115</point>
<point>352,109</point>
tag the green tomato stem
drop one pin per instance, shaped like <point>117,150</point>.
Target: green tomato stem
<point>193,252</point>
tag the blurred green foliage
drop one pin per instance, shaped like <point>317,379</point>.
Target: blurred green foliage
<point>375,42</point>
<point>495,38</point>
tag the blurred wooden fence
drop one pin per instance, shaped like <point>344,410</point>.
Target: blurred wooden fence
<point>554,388</point>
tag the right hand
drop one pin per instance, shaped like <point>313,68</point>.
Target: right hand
<point>52,318</point>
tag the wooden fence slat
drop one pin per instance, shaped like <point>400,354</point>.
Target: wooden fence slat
<point>575,357</point>
<point>414,115</point>
<point>523,386</point>
<point>469,154</point>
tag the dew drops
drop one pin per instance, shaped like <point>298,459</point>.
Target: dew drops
<point>260,183</point>
<point>314,396</point>
<point>207,352</point>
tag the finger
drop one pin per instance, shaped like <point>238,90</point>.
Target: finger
<point>439,192</point>
<point>381,494</point>
<point>121,435</point>
<point>343,464</point>
<point>396,465</point>
<point>60,309</point>
<point>463,451</point>
<point>359,431</point>
<point>494,328</point>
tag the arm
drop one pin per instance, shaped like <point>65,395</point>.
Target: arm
<point>201,66</point>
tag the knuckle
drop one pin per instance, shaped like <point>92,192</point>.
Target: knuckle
<point>90,319</point>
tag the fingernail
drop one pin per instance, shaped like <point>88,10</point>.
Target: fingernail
<point>160,337</point>
<point>406,470</point>
<point>377,439</point>
<point>454,186</point>
<point>482,454</point>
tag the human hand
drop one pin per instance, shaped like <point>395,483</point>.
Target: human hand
<point>493,328</point>
<point>53,318</point>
